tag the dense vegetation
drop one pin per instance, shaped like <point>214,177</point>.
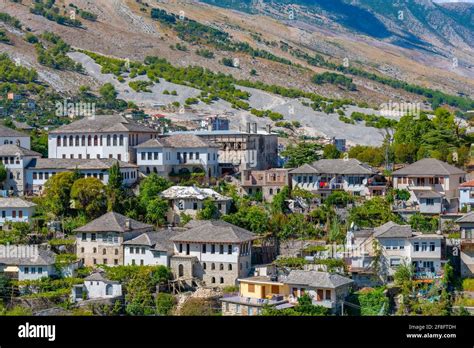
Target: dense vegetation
<point>47,9</point>
<point>335,79</point>
<point>54,55</point>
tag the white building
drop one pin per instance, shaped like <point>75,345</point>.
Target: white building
<point>28,265</point>
<point>433,186</point>
<point>213,251</point>
<point>16,159</point>
<point>178,154</point>
<point>15,209</point>
<point>150,248</point>
<point>39,170</point>
<point>350,175</point>
<point>189,200</point>
<point>96,286</point>
<point>9,136</point>
<point>112,136</point>
<point>466,195</point>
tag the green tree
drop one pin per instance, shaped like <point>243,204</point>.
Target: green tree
<point>151,187</point>
<point>108,93</point>
<point>89,197</point>
<point>3,172</point>
<point>330,151</point>
<point>156,210</point>
<point>301,153</point>
<point>278,204</point>
<point>57,193</point>
<point>114,189</point>
<point>165,303</point>
<point>373,213</point>
<point>209,210</point>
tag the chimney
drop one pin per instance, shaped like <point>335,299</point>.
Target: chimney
<point>269,128</point>
<point>248,127</point>
<point>128,224</point>
<point>255,127</point>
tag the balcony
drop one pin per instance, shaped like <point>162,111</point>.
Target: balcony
<point>274,300</point>
<point>427,274</point>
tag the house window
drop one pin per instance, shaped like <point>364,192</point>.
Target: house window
<point>394,262</point>
<point>229,249</point>
<point>424,246</point>
<point>93,236</point>
<point>105,261</point>
<point>114,143</point>
<point>115,261</point>
<point>195,206</point>
<point>116,252</point>
<point>27,270</point>
<point>89,140</point>
<point>432,246</point>
<point>417,246</point>
<point>104,251</point>
<point>121,140</point>
<point>222,280</point>
<point>429,201</point>
<point>230,267</point>
<point>328,295</point>
<point>213,280</point>
<point>187,249</point>
<point>82,249</point>
<point>143,250</point>
<point>94,250</point>
<point>204,265</point>
<point>213,249</point>
<point>84,236</point>
<point>221,249</point>
<point>141,262</point>
<point>180,247</point>
<point>95,261</point>
<point>221,267</point>
<point>275,289</point>
<point>131,250</point>
<point>213,266</point>
<point>133,262</point>
<point>40,270</point>
<point>204,248</point>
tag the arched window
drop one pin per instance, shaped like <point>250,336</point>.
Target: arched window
<point>221,267</point>
<point>108,140</point>
<point>148,170</point>
<point>104,251</point>
<point>115,140</point>
<point>222,280</point>
<point>77,140</point>
<point>213,280</point>
<point>58,141</point>
<point>180,270</point>
<point>213,266</point>
<point>121,140</point>
<point>96,140</point>
<point>89,140</point>
<point>71,140</point>
<point>64,140</point>
<point>204,265</point>
<point>101,140</point>
<point>108,289</point>
<point>94,250</point>
<point>83,140</point>
<point>230,267</point>
<point>155,170</point>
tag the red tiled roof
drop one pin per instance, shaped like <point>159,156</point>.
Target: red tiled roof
<point>469,183</point>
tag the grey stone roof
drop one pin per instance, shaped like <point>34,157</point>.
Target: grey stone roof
<point>15,150</point>
<point>177,141</point>
<point>45,257</point>
<point>73,163</point>
<point>216,231</point>
<point>428,166</point>
<point>113,222</point>
<point>99,277</point>
<point>469,217</point>
<point>336,166</point>
<point>393,230</point>
<point>10,132</point>
<point>193,192</point>
<point>427,194</point>
<point>15,202</point>
<point>103,124</point>
<point>157,240</point>
<point>315,279</point>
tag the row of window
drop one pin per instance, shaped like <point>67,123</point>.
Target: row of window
<point>10,160</point>
<point>33,270</point>
<point>424,246</point>
<point>45,175</point>
<point>238,309</point>
<point>95,140</point>
<point>204,248</point>
<point>106,238</point>
<point>20,214</point>
<point>221,266</point>
<point>104,261</point>
<point>104,251</point>
<point>88,156</point>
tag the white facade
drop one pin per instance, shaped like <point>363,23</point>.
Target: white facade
<point>35,272</point>
<point>16,139</point>
<point>15,212</point>
<point>145,256</point>
<point>466,196</point>
<point>355,184</point>
<point>167,160</point>
<point>101,289</point>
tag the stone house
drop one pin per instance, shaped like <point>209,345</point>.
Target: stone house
<point>268,182</point>
<point>101,240</point>
<point>466,223</point>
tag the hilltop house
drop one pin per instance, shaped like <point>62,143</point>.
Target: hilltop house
<point>151,248</point>
<point>466,195</point>
<point>466,223</point>
<point>350,175</point>
<point>433,186</point>
<point>96,286</point>
<point>10,136</point>
<point>101,240</point>
<point>282,291</point>
<point>15,159</point>
<point>111,136</point>
<point>39,170</point>
<point>213,251</point>
<point>268,182</point>
<point>239,150</point>
<point>31,262</point>
<point>14,209</point>
<point>178,154</point>
<point>189,200</point>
